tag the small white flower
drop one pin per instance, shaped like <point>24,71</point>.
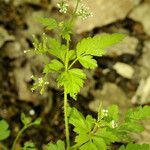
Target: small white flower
<point>105,112</point>
<point>31,76</point>
<point>63,6</point>
<point>84,12</point>
<point>113,123</point>
<point>26,51</point>
<point>40,81</point>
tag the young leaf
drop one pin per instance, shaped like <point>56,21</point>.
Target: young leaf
<point>54,66</point>
<point>4,131</point>
<point>72,55</point>
<point>25,120</point>
<point>72,80</point>
<point>88,62</point>
<point>89,146</point>
<point>49,23</point>
<point>58,146</point>
<point>37,121</point>
<point>29,146</point>
<point>97,45</point>
<point>132,146</point>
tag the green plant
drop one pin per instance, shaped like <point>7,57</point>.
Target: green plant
<point>5,132</point>
<point>91,133</point>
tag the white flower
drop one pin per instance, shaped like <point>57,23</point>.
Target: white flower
<point>105,112</point>
<point>63,6</point>
<point>84,12</point>
<point>114,124</point>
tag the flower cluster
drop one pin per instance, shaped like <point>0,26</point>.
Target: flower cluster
<point>84,12</point>
<point>114,124</point>
<point>105,112</point>
<point>63,6</point>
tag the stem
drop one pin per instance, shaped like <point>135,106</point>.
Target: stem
<point>3,147</point>
<point>19,134</point>
<point>66,119</point>
<point>72,63</point>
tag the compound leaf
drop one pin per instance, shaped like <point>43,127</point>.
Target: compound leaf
<point>29,146</point>
<point>72,80</point>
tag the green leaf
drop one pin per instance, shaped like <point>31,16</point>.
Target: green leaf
<point>132,146</point>
<point>4,131</point>
<point>54,66</point>
<point>81,124</point>
<point>56,49</point>
<point>25,120</point>
<point>40,47</point>
<point>71,55</point>
<point>58,146</point>
<point>100,143</point>
<point>29,146</point>
<point>37,121</point>
<point>113,112</point>
<point>49,23</point>
<point>138,114</point>
<point>72,80</point>
<point>97,45</point>
<point>88,62</point>
<point>107,135</point>
<point>65,30</point>
<point>89,146</point>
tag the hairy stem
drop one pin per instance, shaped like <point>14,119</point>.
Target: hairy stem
<point>66,120</point>
<point>19,134</point>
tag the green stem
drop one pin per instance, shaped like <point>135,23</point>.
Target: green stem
<point>66,120</point>
<point>72,63</point>
<point>19,134</point>
<point>3,147</point>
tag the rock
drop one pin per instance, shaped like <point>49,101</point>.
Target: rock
<point>4,36</point>
<point>21,2</point>
<point>124,70</point>
<point>12,50</point>
<point>143,68</point>
<point>142,14</point>
<point>105,13</point>
<point>89,83</point>
<point>109,95</point>
<point>142,95</point>
<point>127,46</point>
<point>22,75</point>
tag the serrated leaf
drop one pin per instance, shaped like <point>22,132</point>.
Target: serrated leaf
<point>132,146</point>
<point>4,131</point>
<point>49,23</point>
<point>89,146</point>
<point>72,80</point>
<point>53,66</point>
<point>97,45</point>
<point>58,146</point>
<point>106,135</point>
<point>25,119</point>
<point>81,124</point>
<point>113,112</point>
<point>88,62</point>
<point>100,143</point>
<point>138,114</point>
<point>56,49</point>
